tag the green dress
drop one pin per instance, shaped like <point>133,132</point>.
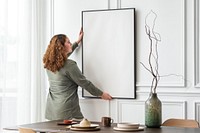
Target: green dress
<point>62,100</point>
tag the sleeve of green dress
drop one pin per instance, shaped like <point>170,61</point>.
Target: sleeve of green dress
<point>76,75</point>
<point>74,46</point>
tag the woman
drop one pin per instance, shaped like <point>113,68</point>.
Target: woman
<point>64,78</point>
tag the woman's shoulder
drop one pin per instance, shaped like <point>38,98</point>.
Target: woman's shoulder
<point>70,62</point>
<point>68,66</point>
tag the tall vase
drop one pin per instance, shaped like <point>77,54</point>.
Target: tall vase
<point>153,111</point>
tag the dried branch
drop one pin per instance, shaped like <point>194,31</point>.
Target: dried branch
<point>153,65</point>
<point>154,38</point>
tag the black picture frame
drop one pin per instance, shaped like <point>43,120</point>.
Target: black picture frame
<point>108,51</point>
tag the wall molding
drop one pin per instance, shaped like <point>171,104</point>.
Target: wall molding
<point>176,109</point>
<point>173,94</point>
<point>175,104</point>
<point>118,4</point>
<point>174,77</point>
<point>196,44</point>
<point>121,108</point>
<point>197,111</point>
<point>94,109</point>
<point>52,17</point>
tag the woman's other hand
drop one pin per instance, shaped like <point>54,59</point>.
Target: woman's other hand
<point>80,36</point>
<point>106,96</point>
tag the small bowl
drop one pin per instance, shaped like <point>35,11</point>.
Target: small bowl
<point>128,125</point>
<point>67,121</point>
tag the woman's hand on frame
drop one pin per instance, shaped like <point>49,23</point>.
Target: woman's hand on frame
<point>106,96</point>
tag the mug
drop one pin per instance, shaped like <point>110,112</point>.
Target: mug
<point>106,121</point>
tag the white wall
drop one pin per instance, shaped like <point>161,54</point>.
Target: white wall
<point>177,23</point>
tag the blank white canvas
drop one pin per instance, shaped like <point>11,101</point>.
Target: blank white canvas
<point>108,51</point>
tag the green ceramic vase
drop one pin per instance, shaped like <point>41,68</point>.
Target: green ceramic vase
<point>153,111</point>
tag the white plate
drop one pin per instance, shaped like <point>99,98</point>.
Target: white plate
<point>81,127</point>
<point>128,130</point>
<point>128,125</point>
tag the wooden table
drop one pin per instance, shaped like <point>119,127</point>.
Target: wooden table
<point>52,126</point>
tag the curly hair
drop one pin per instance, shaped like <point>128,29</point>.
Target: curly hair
<point>55,55</point>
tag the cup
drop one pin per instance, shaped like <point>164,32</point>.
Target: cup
<point>106,121</point>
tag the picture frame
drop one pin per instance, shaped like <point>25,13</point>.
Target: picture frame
<point>108,51</point>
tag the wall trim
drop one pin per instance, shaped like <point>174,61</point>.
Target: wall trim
<point>52,17</point>
<point>183,104</point>
<point>121,103</point>
<point>141,103</point>
<point>172,94</point>
<point>181,81</point>
<point>108,4</point>
<point>196,44</point>
<point>197,111</point>
<point>119,4</point>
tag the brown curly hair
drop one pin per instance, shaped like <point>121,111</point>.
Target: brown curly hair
<point>55,55</point>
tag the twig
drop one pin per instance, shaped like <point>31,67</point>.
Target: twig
<point>152,56</point>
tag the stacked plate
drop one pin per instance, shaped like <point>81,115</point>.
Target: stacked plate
<point>128,127</point>
<point>78,127</point>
